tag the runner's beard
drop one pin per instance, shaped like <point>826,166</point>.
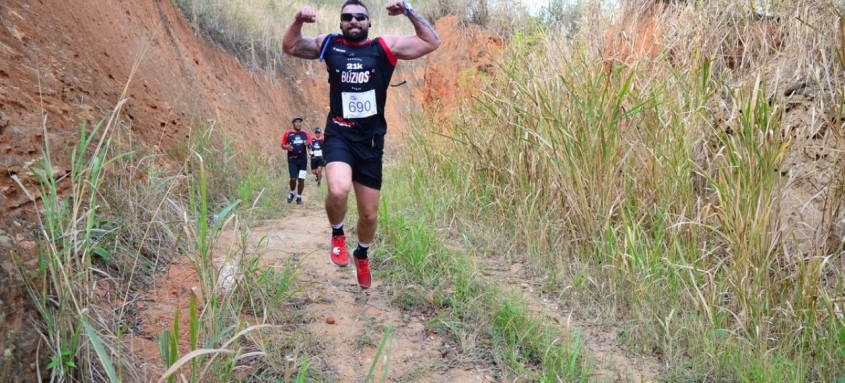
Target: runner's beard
<point>356,37</point>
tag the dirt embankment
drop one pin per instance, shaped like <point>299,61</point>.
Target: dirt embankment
<point>466,53</point>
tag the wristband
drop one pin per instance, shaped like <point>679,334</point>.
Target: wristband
<point>408,7</point>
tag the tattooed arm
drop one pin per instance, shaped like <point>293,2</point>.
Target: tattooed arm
<point>414,46</point>
<point>294,44</point>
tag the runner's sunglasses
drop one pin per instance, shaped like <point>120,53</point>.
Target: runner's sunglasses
<point>358,16</point>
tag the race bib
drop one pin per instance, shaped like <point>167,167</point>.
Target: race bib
<point>302,174</point>
<point>359,104</point>
<point>317,153</point>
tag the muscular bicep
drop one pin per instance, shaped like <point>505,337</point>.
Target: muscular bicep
<point>307,48</point>
<point>411,47</point>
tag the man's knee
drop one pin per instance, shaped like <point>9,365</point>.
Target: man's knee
<point>368,216</point>
<point>339,185</point>
<point>368,211</point>
<point>338,189</point>
<point>338,193</point>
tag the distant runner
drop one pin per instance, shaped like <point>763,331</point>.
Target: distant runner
<point>317,154</point>
<point>295,141</point>
<point>359,73</point>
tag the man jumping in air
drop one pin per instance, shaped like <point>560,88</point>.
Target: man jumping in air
<point>359,72</point>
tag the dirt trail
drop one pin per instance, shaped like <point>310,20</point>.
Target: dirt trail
<point>347,347</point>
<point>361,316</point>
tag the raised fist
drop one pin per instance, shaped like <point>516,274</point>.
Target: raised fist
<point>306,15</point>
<point>395,8</point>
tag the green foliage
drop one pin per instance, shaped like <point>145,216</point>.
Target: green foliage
<point>147,211</point>
<point>385,340</point>
<point>236,287</point>
<point>68,258</point>
<point>474,310</point>
<point>248,174</point>
<point>62,362</point>
<point>169,345</point>
<point>562,14</point>
<point>102,353</point>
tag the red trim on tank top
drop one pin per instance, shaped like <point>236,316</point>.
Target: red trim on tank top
<point>390,56</point>
<point>347,43</point>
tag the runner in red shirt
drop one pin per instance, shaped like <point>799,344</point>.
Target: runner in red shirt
<point>296,142</point>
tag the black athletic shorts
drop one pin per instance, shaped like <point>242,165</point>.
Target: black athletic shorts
<point>363,156</point>
<point>298,167</point>
<point>316,162</point>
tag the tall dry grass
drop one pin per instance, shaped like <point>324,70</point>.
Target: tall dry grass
<point>128,213</point>
<point>253,29</point>
<point>670,194</point>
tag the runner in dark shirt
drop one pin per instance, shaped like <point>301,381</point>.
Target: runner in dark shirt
<point>359,74</point>
<point>296,142</point>
<point>317,154</point>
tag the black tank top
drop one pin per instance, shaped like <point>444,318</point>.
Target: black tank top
<point>358,80</point>
<point>316,147</point>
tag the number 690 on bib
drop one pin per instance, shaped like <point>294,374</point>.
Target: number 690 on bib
<point>359,104</point>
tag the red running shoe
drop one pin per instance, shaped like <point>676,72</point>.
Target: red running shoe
<point>362,269</point>
<point>338,254</point>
